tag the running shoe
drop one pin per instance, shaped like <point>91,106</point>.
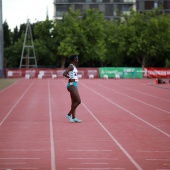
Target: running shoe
<point>69,118</point>
<point>76,120</point>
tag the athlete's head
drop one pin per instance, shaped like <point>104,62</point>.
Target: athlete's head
<point>73,58</point>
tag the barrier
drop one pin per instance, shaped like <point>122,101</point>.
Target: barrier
<point>41,73</point>
<point>121,72</point>
<point>157,73</point>
<point>102,72</point>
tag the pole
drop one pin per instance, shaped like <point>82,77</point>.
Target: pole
<point>1,44</point>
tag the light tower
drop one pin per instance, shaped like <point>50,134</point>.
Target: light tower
<point>1,44</point>
<point>28,58</point>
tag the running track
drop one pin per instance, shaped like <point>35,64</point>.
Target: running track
<point>126,126</point>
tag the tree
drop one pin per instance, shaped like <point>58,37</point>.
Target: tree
<point>7,32</point>
<point>93,45</point>
<point>15,35</point>
<point>145,36</point>
<point>45,43</point>
<point>68,35</point>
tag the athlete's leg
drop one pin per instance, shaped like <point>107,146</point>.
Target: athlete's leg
<point>75,100</point>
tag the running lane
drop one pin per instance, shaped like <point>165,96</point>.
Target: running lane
<point>142,130</point>
<point>25,126</point>
<point>118,130</point>
<point>87,145</point>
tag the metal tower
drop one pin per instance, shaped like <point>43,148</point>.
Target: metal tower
<point>28,59</point>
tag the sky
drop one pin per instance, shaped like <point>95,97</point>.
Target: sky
<point>16,12</point>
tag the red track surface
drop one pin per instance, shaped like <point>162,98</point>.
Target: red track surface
<point>126,126</point>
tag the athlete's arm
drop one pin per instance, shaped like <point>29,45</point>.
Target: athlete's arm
<point>70,68</point>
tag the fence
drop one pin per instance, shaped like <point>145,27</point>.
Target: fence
<point>102,72</point>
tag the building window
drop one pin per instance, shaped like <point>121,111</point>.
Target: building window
<point>79,7</point>
<point>94,6</point>
<point>88,1</point>
<point>109,10</point>
<point>61,9</point>
<point>166,5</point>
<point>61,1</point>
<point>126,8</point>
<point>102,7</point>
<point>149,5</point>
<point>106,1</point>
<point>99,1</point>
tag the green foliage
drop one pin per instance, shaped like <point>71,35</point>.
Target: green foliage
<point>167,63</point>
<point>94,45</point>
<point>68,33</point>
<point>138,39</point>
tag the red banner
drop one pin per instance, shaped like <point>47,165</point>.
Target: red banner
<point>156,73</point>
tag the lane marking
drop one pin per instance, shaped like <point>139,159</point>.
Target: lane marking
<point>157,159</point>
<point>95,163</point>
<point>3,120</point>
<point>135,99</point>
<point>153,85</point>
<point>19,158</point>
<point>166,134</point>
<point>95,158</point>
<point>53,165</point>
<point>96,168</point>
<point>18,168</point>
<point>151,151</point>
<point>23,150</point>
<point>116,142</point>
<point>89,150</point>
<point>13,163</point>
<point>146,94</point>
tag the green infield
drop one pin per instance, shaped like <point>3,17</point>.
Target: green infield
<point>6,82</point>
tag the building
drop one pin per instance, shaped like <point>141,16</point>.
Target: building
<point>146,5</point>
<point>108,7</point>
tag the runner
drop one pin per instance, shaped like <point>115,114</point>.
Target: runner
<point>71,73</point>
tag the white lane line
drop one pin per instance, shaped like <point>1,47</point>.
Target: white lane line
<point>136,99</point>
<point>89,150</point>
<point>3,120</point>
<point>154,127</point>
<point>146,94</point>
<point>152,151</point>
<point>23,150</point>
<point>13,163</point>
<point>116,142</point>
<point>95,168</point>
<point>19,158</point>
<point>95,163</point>
<point>53,165</point>
<point>113,159</point>
<point>157,159</point>
<point>28,168</point>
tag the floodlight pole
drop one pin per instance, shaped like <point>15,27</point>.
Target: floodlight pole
<point>1,44</point>
<point>27,59</point>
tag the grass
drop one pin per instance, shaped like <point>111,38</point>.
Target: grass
<point>6,82</point>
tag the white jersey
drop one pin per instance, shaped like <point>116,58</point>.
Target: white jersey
<point>73,73</point>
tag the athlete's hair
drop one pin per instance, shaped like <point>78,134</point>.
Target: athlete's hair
<point>73,57</point>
